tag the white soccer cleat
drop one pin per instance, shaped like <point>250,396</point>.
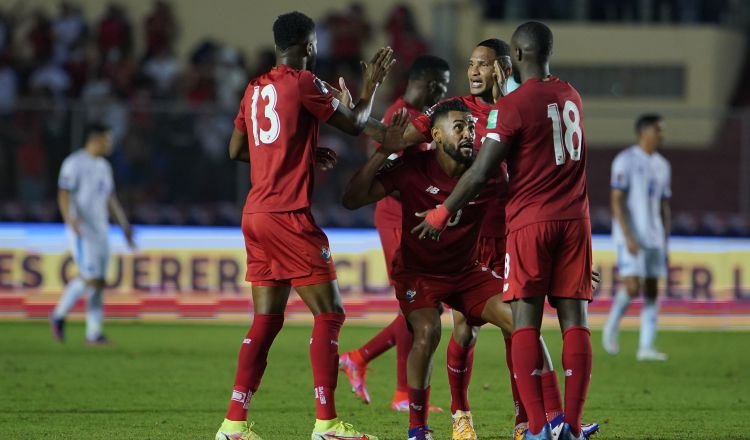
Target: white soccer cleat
<point>651,354</point>
<point>610,341</point>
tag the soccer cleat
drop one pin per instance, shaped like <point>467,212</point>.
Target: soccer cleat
<point>557,424</point>
<point>99,340</point>
<point>342,431</point>
<point>356,374</point>
<point>231,430</point>
<point>610,340</point>
<point>544,434</point>
<point>589,429</point>
<point>420,433</point>
<point>58,329</point>
<point>463,426</point>
<point>566,434</point>
<point>650,354</point>
<point>400,402</point>
<point>519,432</point>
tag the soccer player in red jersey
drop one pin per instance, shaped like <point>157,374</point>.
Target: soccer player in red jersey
<point>539,129</point>
<point>426,275</point>
<point>486,87</point>
<point>428,83</point>
<point>276,130</point>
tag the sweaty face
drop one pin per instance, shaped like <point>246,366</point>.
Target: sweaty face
<point>439,88</point>
<point>456,135</point>
<point>480,71</point>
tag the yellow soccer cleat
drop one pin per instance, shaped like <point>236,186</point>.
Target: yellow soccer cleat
<point>338,430</point>
<point>463,426</point>
<point>519,432</point>
<point>231,430</point>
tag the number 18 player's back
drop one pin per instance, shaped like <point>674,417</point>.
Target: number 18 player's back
<point>542,123</point>
<point>280,113</point>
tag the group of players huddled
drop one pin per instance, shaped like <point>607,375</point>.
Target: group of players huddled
<point>489,190</point>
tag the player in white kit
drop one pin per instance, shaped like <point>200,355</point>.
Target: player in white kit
<point>86,196</point>
<point>641,188</point>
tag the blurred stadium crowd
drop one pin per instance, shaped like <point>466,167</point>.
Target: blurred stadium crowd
<point>172,116</point>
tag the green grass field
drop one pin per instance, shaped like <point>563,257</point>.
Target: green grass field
<point>172,381</point>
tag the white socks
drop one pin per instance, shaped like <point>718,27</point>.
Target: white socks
<point>94,314</point>
<point>649,314</point>
<point>619,306</point>
<point>72,292</point>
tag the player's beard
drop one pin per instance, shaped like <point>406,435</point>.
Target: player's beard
<point>454,151</point>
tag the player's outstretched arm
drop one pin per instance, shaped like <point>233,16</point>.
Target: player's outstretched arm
<point>488,161</point>
<point>238,147</point>
<point>352,121</point>
<point>364,188</point>
<point>115,208</point>
<point>375,130</point>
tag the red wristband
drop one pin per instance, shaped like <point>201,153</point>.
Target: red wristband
<point>438,218</point>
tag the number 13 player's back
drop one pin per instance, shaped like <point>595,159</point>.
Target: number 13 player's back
<point>280,112</point>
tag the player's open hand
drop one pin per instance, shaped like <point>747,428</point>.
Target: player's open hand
<point>129,237</point>
<point>375,71</point>
<point>435,221</point>
<point>500,77</point>
<point>325,158</point>
<point>343,94</point>
<point>394,133</point>
<point>596,279</point>
<point>632,245</point>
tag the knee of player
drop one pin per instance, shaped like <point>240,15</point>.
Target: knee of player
<point>464,334</point>
<point>426,333</point>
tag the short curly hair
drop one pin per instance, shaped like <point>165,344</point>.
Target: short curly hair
<point>292,29</point>
<point>443,108</point>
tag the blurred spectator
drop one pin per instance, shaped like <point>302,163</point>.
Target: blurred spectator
<point>8,85</point>
<point>407,44</point>
<point>31,168</point>
<point>40,36</point>
<point>230,79</point>
<point>349,30</point>
<point>50,77</point>
<point>162,69</point>
<point>265,62</point>
<point>161,29</point>
<point>68,29</point>
<point>114,35</point>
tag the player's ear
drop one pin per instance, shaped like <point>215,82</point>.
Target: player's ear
<point>519,54</point>
<point>436,136</point>
<point>310,49</point>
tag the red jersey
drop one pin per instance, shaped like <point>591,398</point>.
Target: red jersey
<point>424,185</point>
<point>280,113</point>
<point>542,123</point>
<point>494,222</point>
<point>388,210</point>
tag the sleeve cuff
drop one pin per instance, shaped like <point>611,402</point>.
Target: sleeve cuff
<point>494,136</point>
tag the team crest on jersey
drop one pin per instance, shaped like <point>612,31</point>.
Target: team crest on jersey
<point>325,253</point>
<point>410,294</point>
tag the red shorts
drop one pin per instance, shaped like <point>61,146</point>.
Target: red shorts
<point>286,248</point>
<point>390,239</point>
<point>491,253</point>
<point>549,259</point>
<point>466,292</point>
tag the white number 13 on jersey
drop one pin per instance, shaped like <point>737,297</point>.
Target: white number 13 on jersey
<point>573,136</point>
<point>259,135</point>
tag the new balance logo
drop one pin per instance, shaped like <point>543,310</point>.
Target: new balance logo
<point>247,341</point>
<point>432,190</point>
<point>416,407</point>
<point>320,395</point>
<point>536,372</point>
<point>457,370</point>
<point>568,372</point>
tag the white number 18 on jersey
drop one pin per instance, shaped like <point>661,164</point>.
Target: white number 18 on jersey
<point>573,136</point>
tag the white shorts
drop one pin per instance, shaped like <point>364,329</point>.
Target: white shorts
<point>91,255</point>
<point>649,263</point>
